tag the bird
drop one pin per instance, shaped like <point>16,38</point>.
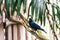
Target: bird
<point>35,26</point>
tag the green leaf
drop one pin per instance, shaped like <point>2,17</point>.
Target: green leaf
<point>42,10</point>
<point>0,7</point>
<point>53,11</point>
<point>1,1</point>
<point>58,13</point>
<point>36,13</point>
<point>28,11</point>
<point>57,27</point>
<point>36,9</point>
<point>44,19</point>
<point>7,3</point>
<point>19,7</point>
<point>40,17</point>
<point>32,6</point>
<point>48,1</point>
<point>0,10</point>
<point>14,4</point>
<point>32,11</point>
<point>24,5</point>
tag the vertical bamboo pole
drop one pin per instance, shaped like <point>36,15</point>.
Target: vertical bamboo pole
<point>9,32</point>
<point>33,37</point>
<point>48,29</point>
<point>18,32</point>
<point>15,32</point>
<point>1,32</point>
<point>6,33</point>
<point>59,33</point>
<point>28,34</point>
<point>51,34</point>
<point>22,32</point>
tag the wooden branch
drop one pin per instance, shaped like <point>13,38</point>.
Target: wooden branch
<point>37,34</point>
<point>0,19</point>
<point>51,24</point>
<point>25,23</point>
<point>40,36</point>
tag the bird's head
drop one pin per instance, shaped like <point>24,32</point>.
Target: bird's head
<point>30,20</point>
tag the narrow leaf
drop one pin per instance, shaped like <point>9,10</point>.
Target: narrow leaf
<point>19,7</point>
<point>14,4</point>
<point>57,26</point>
<point>53,11</point>
<point>58,13</point>
<point>42,7</point>
<point>32,11</point>
<point>48,1</point>
<point>24,5</point>
<point>36,9</point>
<point>28,11</point>
<point>44,17</point>
<point>7,2</point>
<point>36,13</point>
<point>40,17</point>
<point>31,4</point>
<point>0,9</point>
<point>1,1</point>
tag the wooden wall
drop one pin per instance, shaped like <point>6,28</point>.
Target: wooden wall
<point>15,32</point>
<point>18,32</point>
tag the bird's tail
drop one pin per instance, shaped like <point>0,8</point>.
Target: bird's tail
<point>43,30</point>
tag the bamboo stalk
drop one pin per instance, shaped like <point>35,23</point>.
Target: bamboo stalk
<point>1,32</point>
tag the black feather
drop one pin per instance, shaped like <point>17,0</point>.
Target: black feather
<point>35,26</point>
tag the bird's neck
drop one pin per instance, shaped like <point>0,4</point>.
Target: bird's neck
<point>29,22</point>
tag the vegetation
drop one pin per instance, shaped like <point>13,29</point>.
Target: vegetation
<point>38,10</point>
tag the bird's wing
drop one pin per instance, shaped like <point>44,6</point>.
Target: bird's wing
<point>36,26</point>
<point>33,24</point>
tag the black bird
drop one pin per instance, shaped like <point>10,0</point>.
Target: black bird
<point>35,26</point>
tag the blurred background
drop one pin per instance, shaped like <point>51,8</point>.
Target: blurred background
<point>15,14</point>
